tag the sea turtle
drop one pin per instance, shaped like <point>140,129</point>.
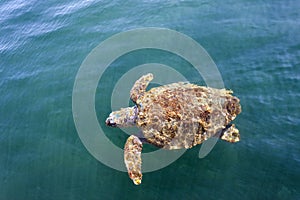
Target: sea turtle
<point>174,116</point>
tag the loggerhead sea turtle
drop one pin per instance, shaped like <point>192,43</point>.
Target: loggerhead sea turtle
<point>174,116</point>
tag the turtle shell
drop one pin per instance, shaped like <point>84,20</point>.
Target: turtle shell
<point>182,115</point>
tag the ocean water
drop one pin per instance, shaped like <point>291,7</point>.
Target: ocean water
<point>255,44</point>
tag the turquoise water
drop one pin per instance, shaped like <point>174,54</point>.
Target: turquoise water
<point>255,44</point>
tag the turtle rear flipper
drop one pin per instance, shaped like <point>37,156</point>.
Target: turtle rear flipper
<point>132,158</point>
<point>230,134</point>
<point>140,86</point>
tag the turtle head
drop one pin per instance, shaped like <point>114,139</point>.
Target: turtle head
<point>122,118</point>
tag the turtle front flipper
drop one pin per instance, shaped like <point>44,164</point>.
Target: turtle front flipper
<point>140,86</point>
<point>133,159</point>
<point>230,134</point>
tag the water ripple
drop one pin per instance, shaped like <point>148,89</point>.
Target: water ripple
<point>14,8</point>
<point>70,8</point>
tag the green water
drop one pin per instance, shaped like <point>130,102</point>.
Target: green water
<point>255,44</point>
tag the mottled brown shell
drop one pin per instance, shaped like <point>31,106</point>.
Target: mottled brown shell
<point>182,115</point>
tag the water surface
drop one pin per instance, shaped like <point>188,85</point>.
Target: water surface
<point>255,44</point>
